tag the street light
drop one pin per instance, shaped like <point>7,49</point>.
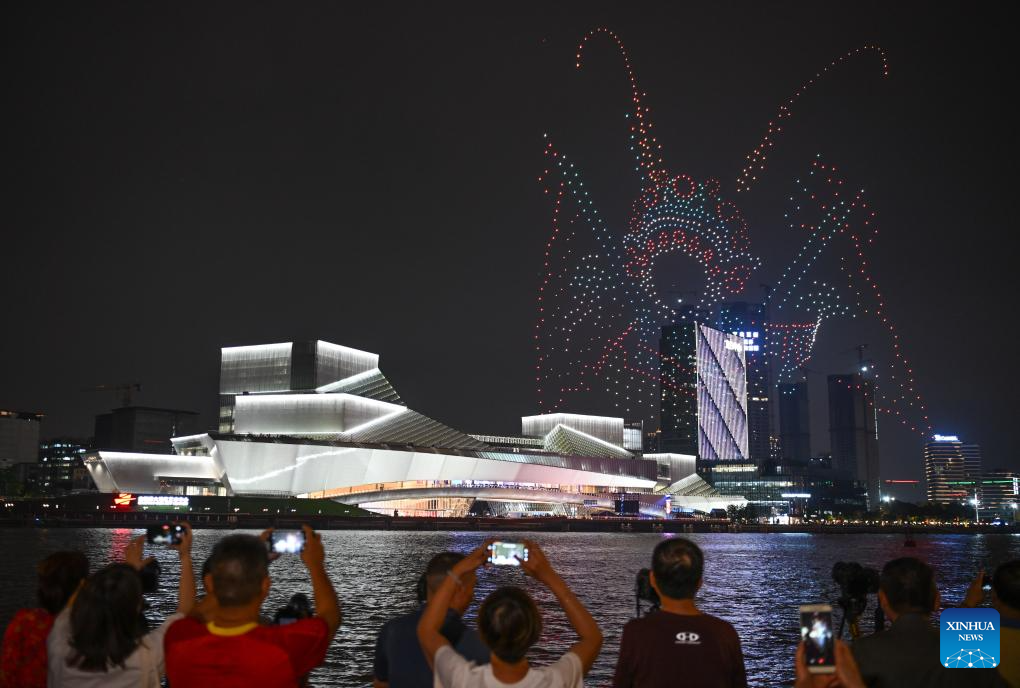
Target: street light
<point>976,503</point>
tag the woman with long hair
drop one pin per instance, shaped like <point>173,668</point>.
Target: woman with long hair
<point>101,640</point>
<point>23,658</point>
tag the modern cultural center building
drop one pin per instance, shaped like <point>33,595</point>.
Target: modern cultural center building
<point>319,420</point>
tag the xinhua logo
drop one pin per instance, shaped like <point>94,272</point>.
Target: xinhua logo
<point>969,638</point>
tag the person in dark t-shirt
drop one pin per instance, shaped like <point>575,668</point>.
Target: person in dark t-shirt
<point>399,662</point>
<point>679,645</point>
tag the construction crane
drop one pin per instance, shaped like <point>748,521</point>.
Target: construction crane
<point>125,389</point>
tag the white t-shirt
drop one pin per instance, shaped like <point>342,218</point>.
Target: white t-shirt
<point>142,669</point>
<point>453,671</point>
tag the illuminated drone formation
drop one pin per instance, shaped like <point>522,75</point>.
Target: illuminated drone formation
<point>600,314</point>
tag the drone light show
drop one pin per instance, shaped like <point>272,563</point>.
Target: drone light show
<point>600,311</point>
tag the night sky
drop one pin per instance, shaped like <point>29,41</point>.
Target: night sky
<point>183,176</point>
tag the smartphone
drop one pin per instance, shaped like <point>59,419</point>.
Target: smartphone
<point>818,638</point>
<point>287,541</point>
<point>986,582</point>
<point>164,534</point>
<point>507,553</point>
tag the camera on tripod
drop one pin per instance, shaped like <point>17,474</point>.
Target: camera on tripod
<point>856,582</point>
<point>643,590</point>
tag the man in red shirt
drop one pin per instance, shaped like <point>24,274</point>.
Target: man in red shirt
<point>679,644</point>
<point>229,648</point>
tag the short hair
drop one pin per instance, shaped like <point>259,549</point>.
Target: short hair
<point>509,623</point>
<point>439,566</point>
<point>1006,583</point>
<point>909,585</point>
<point>238,565</point>
<point>678,565</point>
<point>60,574</point>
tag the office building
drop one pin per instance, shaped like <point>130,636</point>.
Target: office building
<point>60,470</point>
<point>352,440</point>
<point>794,421</point>
<point>853,431</point>
<point>1000,493</point>
<point>703,409</point>
<point>19,437</point>
<point>952,470</point>
<point>143,428</point>
<point>749,321</point>
<point>784,490</point>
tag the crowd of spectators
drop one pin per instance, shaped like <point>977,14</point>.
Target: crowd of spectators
<point>91,630</point>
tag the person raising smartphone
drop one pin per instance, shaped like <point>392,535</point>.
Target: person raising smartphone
<point>228,647</point>
<point>509,623</point>
<point>100,640</point>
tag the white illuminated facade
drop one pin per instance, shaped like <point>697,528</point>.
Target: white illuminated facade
<point>722,396</point>
<point>294,431</point>
<point>603,427</point>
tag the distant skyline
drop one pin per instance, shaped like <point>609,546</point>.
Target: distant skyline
<point>184,178</point>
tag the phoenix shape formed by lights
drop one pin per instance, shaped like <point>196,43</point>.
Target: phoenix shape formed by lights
<point>600,314</point>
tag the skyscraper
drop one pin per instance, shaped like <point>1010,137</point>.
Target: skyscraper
<point>794,421</point>
<point>853,431</point>
<point>678,390</point>
<point>748,321</point>
<point>703,393</point>
<point>952,469</point>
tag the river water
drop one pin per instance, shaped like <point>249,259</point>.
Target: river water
<point>754,581</point>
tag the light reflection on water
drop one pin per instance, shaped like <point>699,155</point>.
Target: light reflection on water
<point>754,581</point>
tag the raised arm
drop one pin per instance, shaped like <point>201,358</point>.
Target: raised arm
<point>327,605</point>
<point>435,611</point>
<point>186,585</point>
<point>587,648</point>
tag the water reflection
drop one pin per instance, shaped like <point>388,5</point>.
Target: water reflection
<point>754,581</point>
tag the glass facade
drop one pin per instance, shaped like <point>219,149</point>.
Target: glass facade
<point>255,369</point>
<point>334,362</point>
<point>790,490</point>
<point>749,322</point>
<point>722,396</point>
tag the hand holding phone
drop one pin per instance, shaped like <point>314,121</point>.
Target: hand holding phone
<point>507,553</point>
<point>286,541</point>
<point>164,534</point>
<point>818,639</point>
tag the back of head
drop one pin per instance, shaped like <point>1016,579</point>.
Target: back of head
<point>678,565</point>
<point>238,565</point>
<point>438,568</point>
<point>509,623</point>
<point>1006,583</point>
<point>106,619</point>
<point>60,574</point>
<point>909,586</point>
